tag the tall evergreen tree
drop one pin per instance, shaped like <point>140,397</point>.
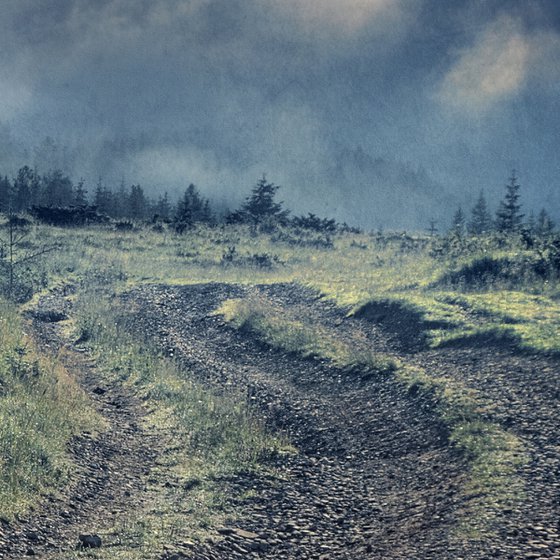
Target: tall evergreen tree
<point>58,189</point>
<point>544,224</point>
<point>22,189</point>
<point>481,220</point>
<point>80,194</point>
<point>121,202</point>
<point>36,188</point>
<point>138,204</point>
<point>192,207</point>
<point>103,198</point>
<point>508,216</point>
<point>163,207</point>
<point>458,225</point>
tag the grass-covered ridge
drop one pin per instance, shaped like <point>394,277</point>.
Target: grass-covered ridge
<point>281,328</point>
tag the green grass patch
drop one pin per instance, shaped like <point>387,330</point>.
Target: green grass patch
<point>41,408</point>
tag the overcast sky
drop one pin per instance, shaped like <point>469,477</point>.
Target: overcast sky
<point>381,112</point>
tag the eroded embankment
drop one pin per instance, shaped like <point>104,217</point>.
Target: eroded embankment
<point>374,476</point>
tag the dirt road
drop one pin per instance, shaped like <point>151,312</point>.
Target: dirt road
<point>374,476</point>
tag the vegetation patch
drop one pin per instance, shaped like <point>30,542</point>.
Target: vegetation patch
<point>494,455</point>
<point>41,409</point>
<point>280,328</point>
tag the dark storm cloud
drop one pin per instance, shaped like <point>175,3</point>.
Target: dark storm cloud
<point>376,110</point>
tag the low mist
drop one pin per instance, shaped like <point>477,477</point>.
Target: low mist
<point>381,114</point>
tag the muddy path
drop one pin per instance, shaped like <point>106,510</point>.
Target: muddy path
<point>374,476</point>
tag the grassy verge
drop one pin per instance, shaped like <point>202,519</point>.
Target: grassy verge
<point>280,328</point>
<point>207,436</point>
<point>41,408</point>
<point>528,321</point>
<point>493,454</point>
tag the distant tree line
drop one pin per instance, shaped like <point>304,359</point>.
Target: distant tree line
<point>54,198</point>
<point>508,218</point>
<point>31,189</point>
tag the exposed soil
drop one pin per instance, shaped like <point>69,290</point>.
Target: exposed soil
<point>374,476</point>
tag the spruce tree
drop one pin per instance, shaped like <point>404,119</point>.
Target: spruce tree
<point>163,207</point>
<point>192,208</point>
<point>458,225</point>
<point>80,194</point>
<point>481,220</point>
<point>508,216</point>
<point>5,194</point>
<point>58,189</point>
<point>138,204</point>
<point>103,199</point>
<point>22,189</point>
<point>261,206</point>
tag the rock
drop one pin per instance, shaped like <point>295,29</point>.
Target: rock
<point>245,534</point>
<point>172,555</point>
<point>90,541</point>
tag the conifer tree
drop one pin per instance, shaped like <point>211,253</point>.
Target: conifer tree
<point>22,189</point>
<point>508,216</point>
<point>103,198</point>
<point>261,206</point>
<point>80,194</point>
<point>163,207</point>
<point>544,224</point>
<point>481,220</point>
<point>5,194</point>
<point>58,189</point>
<point>138,204</point>
<point>192,208</point>
<point>458,225</point>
